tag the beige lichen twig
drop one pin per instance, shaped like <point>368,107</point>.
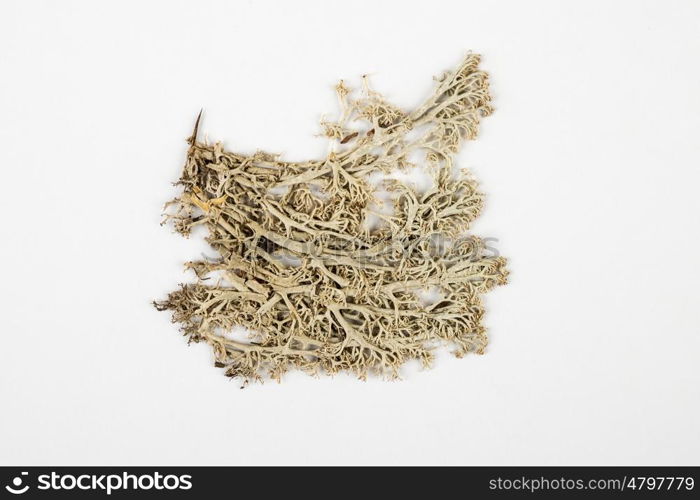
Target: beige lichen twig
<point>317,287</point>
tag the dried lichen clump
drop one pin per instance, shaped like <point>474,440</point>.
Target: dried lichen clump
<point>300,263</point>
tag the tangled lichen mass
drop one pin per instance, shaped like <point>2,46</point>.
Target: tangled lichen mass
<point>300,266</point>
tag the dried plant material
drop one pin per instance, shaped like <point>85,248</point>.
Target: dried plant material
<point>299,265</point>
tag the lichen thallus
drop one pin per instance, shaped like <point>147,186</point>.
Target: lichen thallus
<point>318,287</point>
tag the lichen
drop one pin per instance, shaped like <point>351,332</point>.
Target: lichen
<point>317,286</point>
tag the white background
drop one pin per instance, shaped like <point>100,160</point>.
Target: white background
<point>590,164</point>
